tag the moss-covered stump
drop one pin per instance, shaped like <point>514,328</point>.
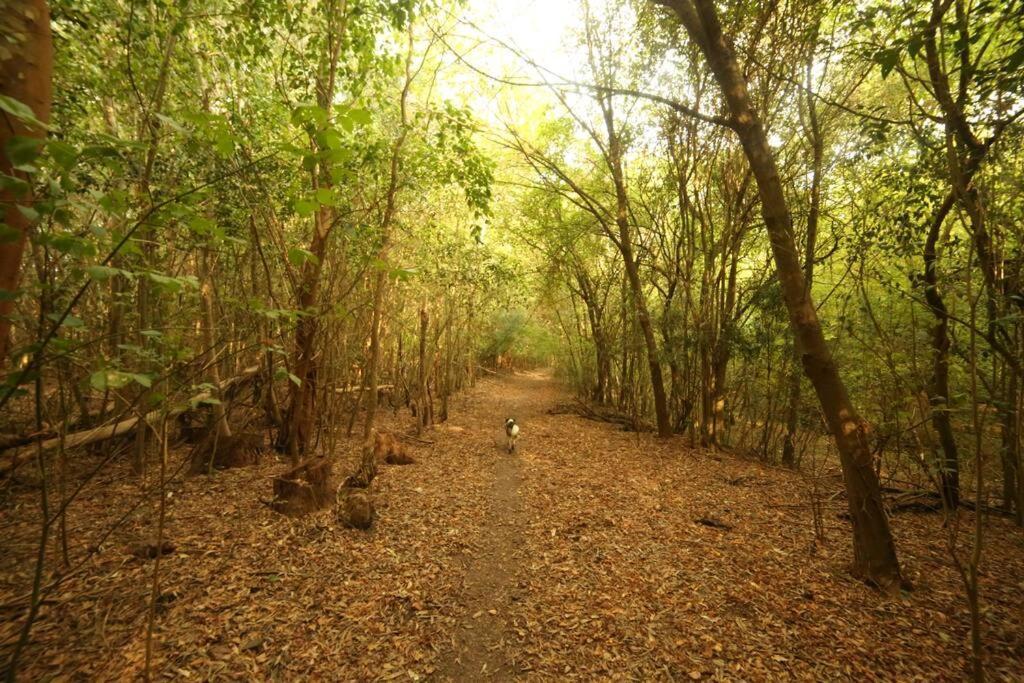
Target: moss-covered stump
<point>304,488</point>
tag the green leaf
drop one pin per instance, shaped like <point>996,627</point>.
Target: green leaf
<point>69,320</point>
<point>309,114</point>
<point>201,225</point>
<point>102,380</point>
<point>887,58</point>
<point>101,273</point>
<point>30,214</point>
<point>304,207</point>
<point>172,284</point>
<point>403,274</point>
<point>61,152</point>
<point>144,380</point>
<point>16,186</point>
<point>298,256</point>
<point>325,196</point>
<point>329,139</point>
<point>23,150</point>
<point>171,123</point>
<point>20,110</point>
<point>67,243</point>
<point>281,373</point>
<point>8,234</point>
<point>224,143</point>
<point>360,117</point>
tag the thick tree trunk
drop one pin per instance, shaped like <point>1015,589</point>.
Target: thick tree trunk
<point>301,412</point>
<point>874,549</point>
<point>27,76</point>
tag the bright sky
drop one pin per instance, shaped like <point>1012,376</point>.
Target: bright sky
<point>541,29</point>
<point>489,34</point>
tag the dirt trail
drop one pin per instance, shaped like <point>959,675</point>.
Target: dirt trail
<point>482,647</point>
<point>581,557</point>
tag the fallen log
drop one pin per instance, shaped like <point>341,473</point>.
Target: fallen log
<point>599,414</point>
<point>110,430</point>
<point>352,389</point>
<point>8,441</point>
<point>904,500</point>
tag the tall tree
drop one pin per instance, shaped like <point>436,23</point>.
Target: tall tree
<point>26,85</point>
<point>874,549</point>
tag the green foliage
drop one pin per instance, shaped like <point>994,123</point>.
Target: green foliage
<point>517,338</point>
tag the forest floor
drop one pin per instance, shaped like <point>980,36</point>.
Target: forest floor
<point>578,557</point>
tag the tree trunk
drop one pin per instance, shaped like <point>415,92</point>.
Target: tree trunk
<point>298,426</point>
<point>26,76</point>
<point>723,348</point>
<point>421,372</point>
<point>810,242</point>
<point>209,325</point>
<point>938,386</point>
<point>625,244</point>
<point>447,385</point>
<point>1010,450</point>
<point>300,421</point>
<point>874,549</point>
<point>373,361</point>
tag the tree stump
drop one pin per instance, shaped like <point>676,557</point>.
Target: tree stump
<point>386,448</point>
<point>355,509</point>
<point>225,452</point>
<point>361,478</point>
<point>304,488</point>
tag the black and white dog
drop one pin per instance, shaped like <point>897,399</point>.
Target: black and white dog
<point>512,432</point>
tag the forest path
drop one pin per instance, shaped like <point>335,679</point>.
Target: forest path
<point>586,555</point>
<point>481,646</point>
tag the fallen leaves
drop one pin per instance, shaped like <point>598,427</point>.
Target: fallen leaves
<point>592,563</point>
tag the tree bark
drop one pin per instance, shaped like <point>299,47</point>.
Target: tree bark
<point>1010,450</point>
<point>300,421</point>
<point>625,245</point>
<point>938,386</point>
<point>875,557</point>
<point>209,327</point>
<point>421,372</point>
<point>373,362</point>
<point>810,242</point>
<point>26,76</point>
